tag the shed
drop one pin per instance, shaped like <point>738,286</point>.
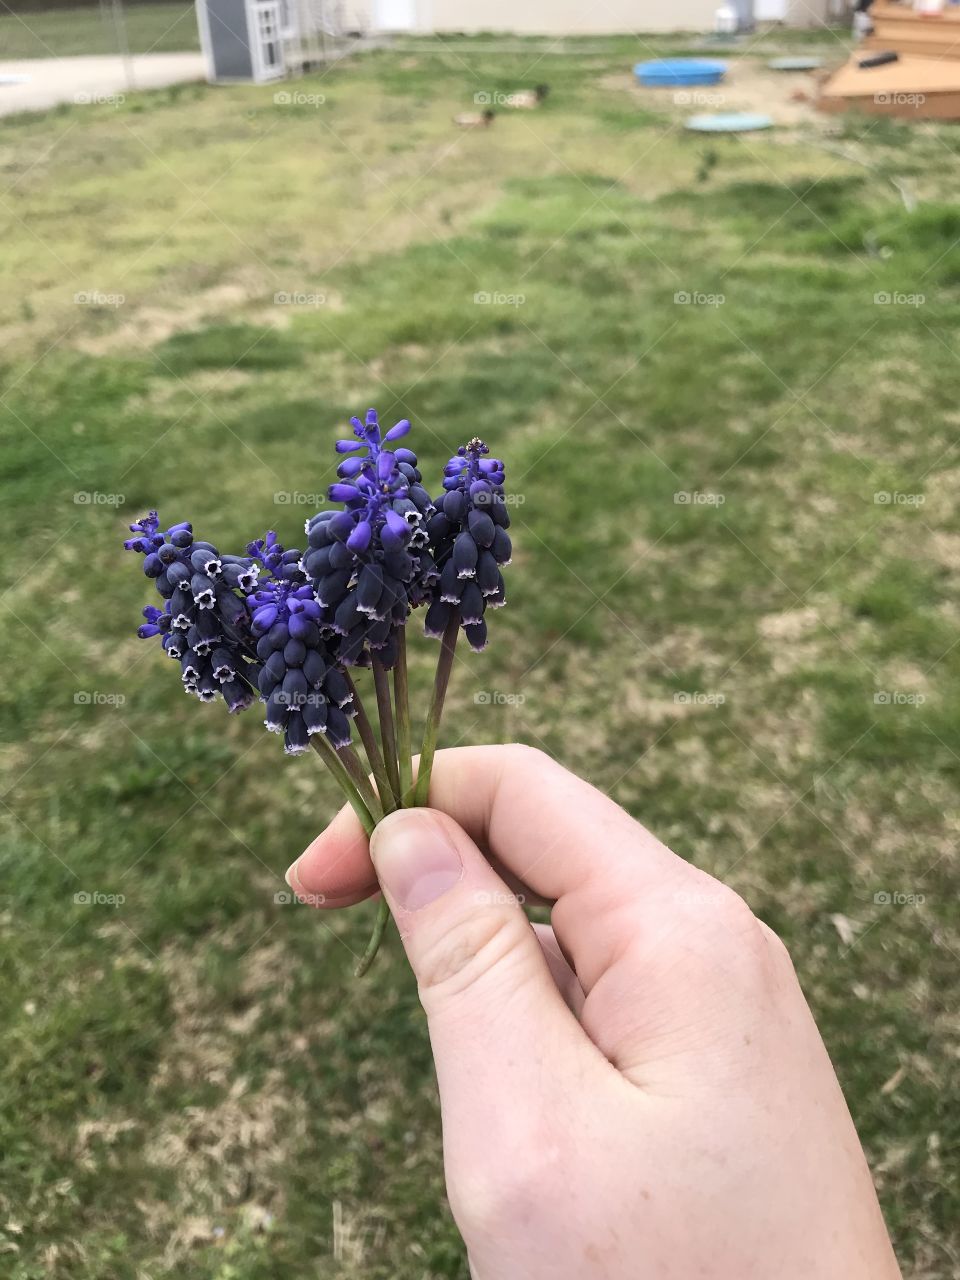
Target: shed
<point>241,39</point>
<point>263,40</point>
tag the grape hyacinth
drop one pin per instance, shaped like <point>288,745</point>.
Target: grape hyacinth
<point>301,682</point>
<point>370,563</point>
<point>204,623</point>
<point>296,628</point>
<point>469,535</point>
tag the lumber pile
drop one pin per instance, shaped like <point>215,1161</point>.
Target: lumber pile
<point>900,27</point>
<point>924,82</point>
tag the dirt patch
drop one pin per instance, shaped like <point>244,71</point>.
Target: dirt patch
<point>232,1154</point>
<point>146,326</point>
<point>788,97</point>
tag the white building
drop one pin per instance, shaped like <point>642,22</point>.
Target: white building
<point>573,17</point>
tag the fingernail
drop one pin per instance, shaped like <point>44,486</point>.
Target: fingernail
<point>292,878</point>
<point>415,859</point>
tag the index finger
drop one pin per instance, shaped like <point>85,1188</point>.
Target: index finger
<point>548,828</point>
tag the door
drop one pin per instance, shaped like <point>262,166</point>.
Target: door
<point>395,15</point>
<point>266,42</point>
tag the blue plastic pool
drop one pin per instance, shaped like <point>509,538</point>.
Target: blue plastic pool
<point>669,72</point>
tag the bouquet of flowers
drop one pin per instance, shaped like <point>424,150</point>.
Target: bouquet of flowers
<point>291,628</point>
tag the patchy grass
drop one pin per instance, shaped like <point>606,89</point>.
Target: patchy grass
<point>734,606</point>
<point>64,33</point>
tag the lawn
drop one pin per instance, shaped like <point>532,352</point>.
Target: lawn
<point>63,33</point>
<point>734,605</point>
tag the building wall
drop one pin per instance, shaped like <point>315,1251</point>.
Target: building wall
<point>812,13</point>
<point>567,17</point>
<point>541,17</point>
<point>575,17</point>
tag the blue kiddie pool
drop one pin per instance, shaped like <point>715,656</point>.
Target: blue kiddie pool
<point>668,73</point>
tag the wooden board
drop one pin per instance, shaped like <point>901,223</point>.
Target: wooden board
<point>905,16</point>
<point>918,48</point>
<point>900,28</point>
<point>911,89</point>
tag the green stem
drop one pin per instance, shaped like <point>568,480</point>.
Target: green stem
<point>360,780</point>
<point>326,753</point>
<point>444,666</point>
<point>387,732</point>
<point>402,700</point>
<point>374,754</point>
<point>373,946</point>
<point>339,770</point>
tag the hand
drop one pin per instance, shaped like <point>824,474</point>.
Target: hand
<point>642,1094</point>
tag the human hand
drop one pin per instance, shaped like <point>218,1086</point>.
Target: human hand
<point>640,1094</point>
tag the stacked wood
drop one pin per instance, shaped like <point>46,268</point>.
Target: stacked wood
<point>903,29</point>
<point>922,84</point>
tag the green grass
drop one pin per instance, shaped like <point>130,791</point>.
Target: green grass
<point>63,33</point>
<point>193,1084</point>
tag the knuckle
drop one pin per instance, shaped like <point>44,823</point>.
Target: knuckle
<point>715,908</point>
<point>779,955</point>
<point>513,1186</point>
<point>735,916</point>
<point>469,950</point>
<point>719,928</point>
<point>519,756</point>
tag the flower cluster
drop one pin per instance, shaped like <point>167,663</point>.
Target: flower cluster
<point>204,623</point>
<point>370,563</point>
<point>293,627</point>
<point>301,682</point>
<point>287,625</point>
<point>471,543</point>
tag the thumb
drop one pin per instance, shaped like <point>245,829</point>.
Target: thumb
<point>494,1012</point>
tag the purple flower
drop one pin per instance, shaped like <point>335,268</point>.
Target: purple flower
<point>468,535</point>
<point>204,624</point>
<point>301,682</point>
<point>370,563</point>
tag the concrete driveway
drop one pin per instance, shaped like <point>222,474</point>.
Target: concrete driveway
<point>32,84</point>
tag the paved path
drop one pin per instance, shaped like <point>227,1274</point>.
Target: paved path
<point>49,81</point>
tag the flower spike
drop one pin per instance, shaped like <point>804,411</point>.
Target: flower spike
<point>470,543</point>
